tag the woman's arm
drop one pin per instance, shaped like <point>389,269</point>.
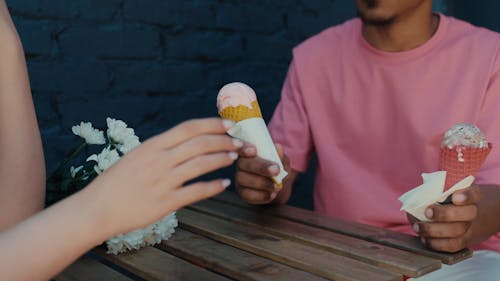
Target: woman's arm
<point>22,166</point>
<point>125,197</point>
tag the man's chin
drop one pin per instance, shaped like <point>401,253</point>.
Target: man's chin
<point>375,20</point>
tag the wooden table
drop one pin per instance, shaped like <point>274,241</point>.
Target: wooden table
<point>226,239</point>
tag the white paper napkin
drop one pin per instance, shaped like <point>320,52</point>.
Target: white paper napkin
<point>419,198</point>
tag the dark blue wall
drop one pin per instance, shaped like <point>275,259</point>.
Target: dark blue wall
<point>154,63</point>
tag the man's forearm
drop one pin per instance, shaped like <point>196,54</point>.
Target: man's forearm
<point>488,222</point>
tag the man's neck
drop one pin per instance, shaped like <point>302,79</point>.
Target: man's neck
<point>405,33</point>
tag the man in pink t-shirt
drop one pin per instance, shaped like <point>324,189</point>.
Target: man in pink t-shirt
<point>372,97</point>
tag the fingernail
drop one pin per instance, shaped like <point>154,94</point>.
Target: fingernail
<point>428,213</point>
<point>459,198</point>
<point>233,155</point>
<point>416,227</point>
<point>228,124</point>
<point>226,183</point>
<point>250,150</point>
<point>273,195</point>
<point>237,143</point>
<point>273,169</point>
<point>422,239</point>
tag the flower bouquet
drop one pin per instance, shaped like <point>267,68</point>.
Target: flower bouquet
<point>67,179</point>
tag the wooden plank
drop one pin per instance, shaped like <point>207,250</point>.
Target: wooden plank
<point>230,261</point>
<point>366,232</point>
<point>88,269</point>
<point>154,264</point>
<point>392,259</point>
<point>304,257</point>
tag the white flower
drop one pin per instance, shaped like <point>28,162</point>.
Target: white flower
<point>129,144</point>
<point>91,135</point>
<point>74,170</point>
<point>121,136</point>
<point>148,236</point>
<point>105,159</point>
<point>118,131</point>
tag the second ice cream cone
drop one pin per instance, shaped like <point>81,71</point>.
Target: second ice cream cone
<point>460,162</point>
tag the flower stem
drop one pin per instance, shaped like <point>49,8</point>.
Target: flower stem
<point>74,154</point>
<point>61,166</point>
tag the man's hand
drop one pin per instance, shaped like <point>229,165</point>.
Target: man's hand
<point>254,175</point>
<point>449,228</point>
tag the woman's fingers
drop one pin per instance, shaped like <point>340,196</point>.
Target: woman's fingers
<point>190,129</point>
<point>200,190</point>
<point>203,144</point>
<point>201,165</point>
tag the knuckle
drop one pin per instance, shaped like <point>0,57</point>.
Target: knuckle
<point>446,213</point>
<point>199,141</point>
<point>474,211</point>
<point>457,245</point>
<point>450,213</point>
<point>473,194</point>
<point>461,229</point>
<point>243,179</point>
<point>264,183</point>
<point>436,245</point>
<point>454,245</point>
<point>438,213</point>
<point>263,168</point>
<point>249,194</point>
<point>239,177</point>
<point>242,164</point>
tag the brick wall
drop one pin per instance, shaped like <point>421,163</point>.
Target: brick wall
<point>154,63</point>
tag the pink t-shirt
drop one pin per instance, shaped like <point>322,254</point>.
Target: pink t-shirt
<point>376,119</point>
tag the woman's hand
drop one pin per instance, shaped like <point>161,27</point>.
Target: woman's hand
<point>150,181</point>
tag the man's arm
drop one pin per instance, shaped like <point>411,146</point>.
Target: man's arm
<point>22,166</point>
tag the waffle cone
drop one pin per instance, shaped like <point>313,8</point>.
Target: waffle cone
<point>241,112</point>
<point>457,170</point>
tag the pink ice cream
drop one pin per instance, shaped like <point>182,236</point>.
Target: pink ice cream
<point>235,94</point>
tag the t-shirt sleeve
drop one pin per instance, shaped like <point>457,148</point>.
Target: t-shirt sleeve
<point>290,126</point>
<point>489,123</point>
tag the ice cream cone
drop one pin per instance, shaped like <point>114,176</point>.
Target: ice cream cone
<point>241,112</point>
<point>461,161</point>
<point>238,102</point>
